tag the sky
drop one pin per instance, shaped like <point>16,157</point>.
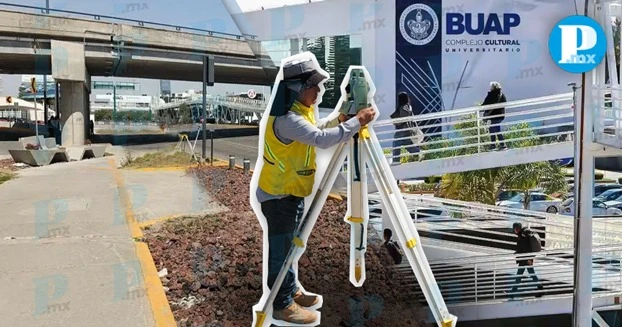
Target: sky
<point>204,14</point>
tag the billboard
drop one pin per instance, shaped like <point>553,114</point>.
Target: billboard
<point>447,51</point>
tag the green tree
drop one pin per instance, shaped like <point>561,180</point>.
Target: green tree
<point>103,115</point>
<point>185,114</point>
<point>485,185</point>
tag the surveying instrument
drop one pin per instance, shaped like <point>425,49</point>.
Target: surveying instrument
<point>363,151</point>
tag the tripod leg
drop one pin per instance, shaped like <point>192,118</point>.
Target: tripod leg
<point>302,232</point>
<point>405,229</point>
<point>357,215</point>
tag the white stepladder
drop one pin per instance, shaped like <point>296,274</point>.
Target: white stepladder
<point>364,151</point>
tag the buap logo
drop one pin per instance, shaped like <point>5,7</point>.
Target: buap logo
<point>418,24</point>
<point>577,44</point>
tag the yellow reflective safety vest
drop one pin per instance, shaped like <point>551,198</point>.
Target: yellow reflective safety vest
<point>289,169</point>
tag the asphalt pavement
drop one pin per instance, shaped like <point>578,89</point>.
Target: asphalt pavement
<point>244,147</point>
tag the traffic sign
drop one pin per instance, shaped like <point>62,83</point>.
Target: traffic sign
<point>33,85</point>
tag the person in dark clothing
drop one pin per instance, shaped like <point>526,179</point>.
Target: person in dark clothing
<point>403,137</point>
<point>91,128</point>
<point>495,116</point>
<point>392,247</point>
<point>523,245</point>
<point>51,127</point>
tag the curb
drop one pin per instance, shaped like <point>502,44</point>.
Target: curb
<point>160,307</point>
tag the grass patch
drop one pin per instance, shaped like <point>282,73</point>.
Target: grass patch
<point>6,176</point>
<point>158,160</point>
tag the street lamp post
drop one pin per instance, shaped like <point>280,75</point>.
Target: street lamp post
<point>583,193</point>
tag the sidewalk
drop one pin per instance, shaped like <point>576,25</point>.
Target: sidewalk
<point>67,245</point>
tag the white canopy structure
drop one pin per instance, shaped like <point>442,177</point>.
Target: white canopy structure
<point>22,109</point>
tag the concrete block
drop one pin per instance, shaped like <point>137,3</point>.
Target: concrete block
<point>59,156</point>
<point>50,142</point>
<point>28,140</point>
<point>98,150</point>
<point>38,157</point>
<point>68,61</point>
<point>75,153</point>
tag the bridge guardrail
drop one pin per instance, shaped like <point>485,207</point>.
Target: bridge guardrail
<point>139,22</point>
<point>529,122</point>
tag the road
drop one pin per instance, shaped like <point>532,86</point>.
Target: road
<point>242,147</point>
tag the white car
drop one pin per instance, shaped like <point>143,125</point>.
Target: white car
<point>599,208</point>
<point>539,202</point>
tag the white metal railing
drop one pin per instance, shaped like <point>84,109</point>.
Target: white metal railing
<point>242,104</point>
<point>490,277</point>
<point>466,131</point>
<point>477,223</point>
<point>606,102</point>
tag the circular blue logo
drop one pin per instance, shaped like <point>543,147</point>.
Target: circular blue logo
<point>418,24</point>
<point>577,44</point>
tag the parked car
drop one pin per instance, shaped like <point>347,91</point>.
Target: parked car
<point>507,194</point>
<point>538,202</point>
<point>609,195</point>
<point>602,188</point>
<point>598,189</point>
<point>599,208</point>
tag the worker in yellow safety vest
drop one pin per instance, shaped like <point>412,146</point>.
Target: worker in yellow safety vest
<point>288,173</point>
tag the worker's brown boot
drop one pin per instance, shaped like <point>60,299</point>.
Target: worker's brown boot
<point>306,300</point>
<point>295,315</point>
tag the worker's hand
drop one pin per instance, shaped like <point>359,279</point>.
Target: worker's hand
<point>366,115</point>
<point>343,118</point>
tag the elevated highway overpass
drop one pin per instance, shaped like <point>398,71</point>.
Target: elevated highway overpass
<point>73,48</point>
<point>17,56</point>
<point>121,49</point>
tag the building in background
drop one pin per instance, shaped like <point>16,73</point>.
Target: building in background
<point>122,96</point>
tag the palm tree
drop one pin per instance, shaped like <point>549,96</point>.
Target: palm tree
<point>485,185</point>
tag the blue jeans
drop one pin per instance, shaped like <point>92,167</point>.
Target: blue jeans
<point>397,144</point>
<point>495,132</point>
<point>283,216</point>
<point>519,277</point>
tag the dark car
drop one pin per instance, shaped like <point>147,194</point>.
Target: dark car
<point>601,188</point>
<point>609,195</point>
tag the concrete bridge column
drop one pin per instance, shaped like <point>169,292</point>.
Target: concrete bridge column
<point>69,69</point>
<point>74,110</point>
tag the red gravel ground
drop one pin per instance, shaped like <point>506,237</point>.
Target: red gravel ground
<point>214,264</point>
<point>8,164</point>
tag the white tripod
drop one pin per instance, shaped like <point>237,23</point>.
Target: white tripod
<point>364,150</point>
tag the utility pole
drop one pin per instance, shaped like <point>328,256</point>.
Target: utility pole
<point>45,77</point>
<point>204,109</point>
<point>584,191</point>
<point>208,79</point>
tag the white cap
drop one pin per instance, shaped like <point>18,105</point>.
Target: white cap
<point>495,85</point>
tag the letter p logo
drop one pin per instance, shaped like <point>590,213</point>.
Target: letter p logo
<point>577,44</point>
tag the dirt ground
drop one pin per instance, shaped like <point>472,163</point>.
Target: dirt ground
<point>214,264</point>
